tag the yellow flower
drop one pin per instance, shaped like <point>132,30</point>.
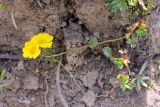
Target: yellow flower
<point>43,40</point>
<point>31,50</point>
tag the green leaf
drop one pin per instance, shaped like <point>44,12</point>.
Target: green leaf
<point>145,77</point>
<point>132,2</point>
<point>143,83</point>
<point>2,74</point>
<point>132,41</point>
<point>117,5</point>
<point>119,62</point>
<point>143,68</point>
<point>107,52</point>
<point>141,32</point>
<point>93,42</point>
<point>138,85</point>
<point>129,85</point>
<point>141,2</point>
<point>49,54</point>
<point>2,7</point>
<point>122,86</point>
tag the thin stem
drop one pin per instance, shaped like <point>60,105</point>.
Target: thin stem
<point>86,46</point>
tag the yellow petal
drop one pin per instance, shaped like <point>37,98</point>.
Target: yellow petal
<point>31,50</point>
<point>43,40</point>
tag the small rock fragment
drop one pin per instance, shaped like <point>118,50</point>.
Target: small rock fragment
<point>20,66</point>
<point>89,98</point>
<point>31,83</point>
<point>90,79</point>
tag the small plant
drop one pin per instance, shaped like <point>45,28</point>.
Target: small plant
<point>49,54</point>
<point>125,82</point>
<point>117,5</point>
<point>141,32</point>
<point>122,5</point>
<point>132,39</point>
<point>140,78</point>
<point>93,42</point>
<point>2,7</point>
<point>120,62</point>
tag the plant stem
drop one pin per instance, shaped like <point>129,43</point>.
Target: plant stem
<point>86,46</point>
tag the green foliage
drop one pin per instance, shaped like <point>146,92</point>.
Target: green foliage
<point>49,54</point>
<point>117,5</point>
<point>93,42</point>
<point>122,5</point>
<point>119,62</point>
<point>132,41</point>
<point>140,78</point>
<point>124,81</point>
<point>132,2</point>
<point>2,77</point>
<point>141,32</point>
<point>2,7</point>
<point>107,52</point>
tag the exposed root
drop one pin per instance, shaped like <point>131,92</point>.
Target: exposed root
<point>63,101</point>
<point>71,75</point>
<point>13,20</point>
<point>46,94</point>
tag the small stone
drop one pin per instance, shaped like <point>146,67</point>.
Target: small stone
<point>20,66</point>
<point>30,83</point>
<point>90,79</point>
<point>89,98</point>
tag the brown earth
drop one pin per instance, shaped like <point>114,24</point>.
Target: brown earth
<point>32,83</point>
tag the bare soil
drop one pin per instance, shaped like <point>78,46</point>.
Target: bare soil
<point>32,83</point>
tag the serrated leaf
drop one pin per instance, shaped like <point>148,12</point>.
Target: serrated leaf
<point>133,42</point>
<point>107,52</point>
<point>93,42</point>
<point>141,32</point>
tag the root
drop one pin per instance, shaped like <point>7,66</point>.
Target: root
<point>71,75</point>
<point>46,94</point>
<point>13,20</point>
<point>63,101</point>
